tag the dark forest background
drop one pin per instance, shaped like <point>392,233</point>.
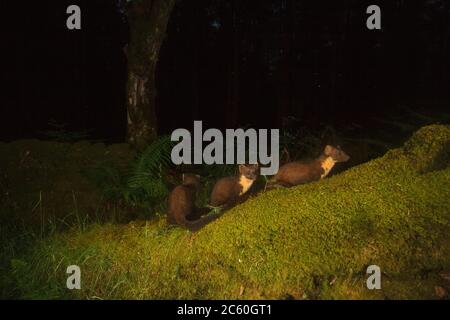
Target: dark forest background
<point>230,63</point>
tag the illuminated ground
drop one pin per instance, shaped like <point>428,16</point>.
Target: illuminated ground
<point>310,242</point>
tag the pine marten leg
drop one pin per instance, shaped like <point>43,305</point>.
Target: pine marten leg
<point>284,184</point>
<point>243,198</point>
<point>271,185</point>
<point>197,213</point>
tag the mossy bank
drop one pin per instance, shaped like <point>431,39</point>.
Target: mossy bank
<point>310,242</point>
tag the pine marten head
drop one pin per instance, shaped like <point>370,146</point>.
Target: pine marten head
<point>336,153</point>
<point>191,180</point>
<point>249,171</point>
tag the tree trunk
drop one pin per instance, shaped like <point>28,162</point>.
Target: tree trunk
<point>148,23</point>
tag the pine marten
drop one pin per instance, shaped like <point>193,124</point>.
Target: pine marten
<point>182,209</point>
<point>295,173</point>
<point>227,191</point>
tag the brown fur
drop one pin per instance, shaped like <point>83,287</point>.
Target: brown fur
<point>182,200</point>
<point>182,209</point>
<point>227,191</point>
<point>295,173</point>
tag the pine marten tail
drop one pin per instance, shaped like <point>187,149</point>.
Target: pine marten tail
<point>196,225</point>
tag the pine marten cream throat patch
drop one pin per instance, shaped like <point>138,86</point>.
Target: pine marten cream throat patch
<point>245,183</point>
<point>327,165</point>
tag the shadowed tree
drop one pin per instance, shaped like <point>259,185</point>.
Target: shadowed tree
<point>148,21</point>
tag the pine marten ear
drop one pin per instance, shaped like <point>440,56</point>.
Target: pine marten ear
<point>241,168</point>
<point>328,150</point>
<point>182,177</point>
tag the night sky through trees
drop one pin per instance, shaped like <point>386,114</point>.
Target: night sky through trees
<point>228,63</point>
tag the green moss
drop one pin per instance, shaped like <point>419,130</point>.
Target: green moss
<point>312,241</point>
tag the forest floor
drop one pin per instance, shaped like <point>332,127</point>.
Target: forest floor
<point>310,242</point>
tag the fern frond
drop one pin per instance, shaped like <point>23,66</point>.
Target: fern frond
<point>150,164</point>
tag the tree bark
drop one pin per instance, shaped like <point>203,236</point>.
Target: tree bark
<point>148,21</point>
